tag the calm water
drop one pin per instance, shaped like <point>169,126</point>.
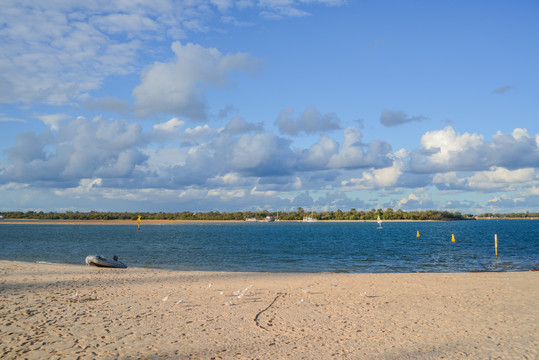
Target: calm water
<point>286,247</point>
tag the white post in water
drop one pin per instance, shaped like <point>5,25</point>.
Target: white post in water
<point>496,244</point>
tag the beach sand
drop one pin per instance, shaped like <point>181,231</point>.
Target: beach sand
<point>69,312</point>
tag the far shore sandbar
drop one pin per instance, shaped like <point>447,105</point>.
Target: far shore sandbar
<point>172,222</point>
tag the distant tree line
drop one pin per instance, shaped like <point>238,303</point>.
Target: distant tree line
<point>299,214</point>
<point>526,215</point>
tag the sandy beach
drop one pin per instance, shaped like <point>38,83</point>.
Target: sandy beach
<point>79,312</point>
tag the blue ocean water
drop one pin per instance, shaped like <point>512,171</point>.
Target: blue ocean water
<point>354,247</point>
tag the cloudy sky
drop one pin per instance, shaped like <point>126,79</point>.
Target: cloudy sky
<point>224,105</point>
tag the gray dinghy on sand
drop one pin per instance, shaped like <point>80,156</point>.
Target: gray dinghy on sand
<point>100,261</point>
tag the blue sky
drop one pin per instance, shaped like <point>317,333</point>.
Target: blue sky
<point>270,104</point>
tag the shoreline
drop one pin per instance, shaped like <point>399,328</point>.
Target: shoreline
<point>60,310</point>
<point>178,222</point>
<point>82,264</point>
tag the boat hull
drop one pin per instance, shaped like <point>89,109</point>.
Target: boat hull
<point>100,261</point>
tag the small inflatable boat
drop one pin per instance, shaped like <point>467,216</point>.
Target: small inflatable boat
<point>100,261</point>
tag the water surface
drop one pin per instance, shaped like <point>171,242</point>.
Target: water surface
<point>355,247</point>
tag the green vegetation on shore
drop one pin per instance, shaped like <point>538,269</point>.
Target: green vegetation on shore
<point>352,214</point>
<point>299,214</point>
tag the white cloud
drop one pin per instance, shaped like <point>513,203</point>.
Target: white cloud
<point>53,120</point>
<point>233,21</point>
<point>85,187</point>
<point>446,150</point>
<point>353,155</point>
<point>173,125</point>
<point>311,121</point>
<point>513,151</point>
<point>449,181</point>
<point>160,161</point>
<point>445,145</point>
<point>255,191</point>
<point>416,202</point>
<point>226,195</point>
<point>394,118</point>
<point>238,125</point>
<point>4,118</point>
<point>278,9</point>
<point>125,23</point>
<point>493,180</point>
<point>499,178</point>
<point>512,202</point>
<point>55,51</point>
<point>199,134</point>
<point>387,177</point>
<point>168,131</point>
<point>178,87</point>
<point>223,5</point>
<point>100,159</point>
<point>81,149</point>
<point>278,183</point>
<point>319,154</point>
<point>261,155</point>
<point>50,57</point>
<point>105,104</point>
<point>229,179</point>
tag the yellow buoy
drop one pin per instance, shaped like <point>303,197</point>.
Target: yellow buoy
<point>417,233</point>
<point>452,237</point>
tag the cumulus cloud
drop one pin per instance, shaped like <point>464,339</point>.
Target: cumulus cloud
<point>84,188</point>
<point>318,155</point>
<point>356,154</point>
<point>104,159</point>
<point>171,126</point>
<point>53,120</point>
<point>446,150</point>
<point>230,179</point>
<point>238,125</point>
<point>107,104</point>
<point>352,154</point>
<point>278,183</point>
<point>262,155</point>
<point>386,177</point>
<point>493,180</point>
<point>226,111</point>
<point>513,203</point>
<point>394,118</point>
<point>199,134</point>
<point>178,87</point>
<point>416,202</point>
<point>310,122</point>
<point>168,131</point>
<point>498,178</point>
<point>211,154</point>
<point>81,149</point>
